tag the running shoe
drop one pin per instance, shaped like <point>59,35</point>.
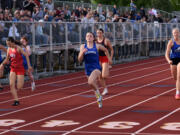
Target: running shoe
<point>105,91</point>
<point>177,96</point>
<point>16,103</point>
<point>99,101</point>
<point>33,86</point>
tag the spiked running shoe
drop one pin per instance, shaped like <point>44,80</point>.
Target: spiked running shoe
<point>16,103</point>
<point>33,86</point>
<point>99,101</point>
<point>105,91</point>
<point>177,96</point>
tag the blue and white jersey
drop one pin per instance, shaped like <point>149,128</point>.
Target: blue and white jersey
<point>24,59</point>
<point>175,51</point>
<point>91,59</point>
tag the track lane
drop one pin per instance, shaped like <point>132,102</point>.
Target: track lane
<point>94,106</point>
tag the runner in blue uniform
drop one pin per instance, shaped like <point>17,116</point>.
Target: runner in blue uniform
<point>173,58</point>
<point>27,49</point>
<point>89,53</point>
<point>2,48</point>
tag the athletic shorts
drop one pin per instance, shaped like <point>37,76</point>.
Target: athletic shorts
<point>103,59</point>
<point>175,61</point>
<point>89,71</point>
<point>18,71</point>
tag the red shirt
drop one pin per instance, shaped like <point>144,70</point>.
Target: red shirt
<point>16,59</point>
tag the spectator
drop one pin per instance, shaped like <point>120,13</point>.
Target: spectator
<point>99,9</point>
<point>138,16</point>
<point>13,31</point>
<point>132,8</point>
<point>10,17</point>
<point>46,11</point>
<point>115,18</point>
<point>174,20</point>
<point>49,5</point>
<point>22,12</point>
<point>142,12</point>
<point>157,20</point>
<point>154,11</point>
<point>37,14</point>
<point>29,5</point>
<point>102,17</point>
<point>77,12</point>
<point>88,19</point>
<point>16,16</point>
<point>41,38</point>
<point>87,22</point>
<point>114,10</point>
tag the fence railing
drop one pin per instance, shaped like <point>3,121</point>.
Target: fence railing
<point>55,46</point>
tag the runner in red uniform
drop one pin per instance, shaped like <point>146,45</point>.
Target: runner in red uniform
<point>14,54</point>
<point>103,58</point>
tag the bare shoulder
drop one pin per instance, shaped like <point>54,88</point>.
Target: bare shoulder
<point>19,49</point>
<point>170,43</point>
<point>108,42</point>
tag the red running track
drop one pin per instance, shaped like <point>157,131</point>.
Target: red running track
<point>140,102</point>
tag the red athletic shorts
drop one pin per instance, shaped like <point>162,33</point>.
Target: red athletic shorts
<point>103,59</point>
<point>18,71</point>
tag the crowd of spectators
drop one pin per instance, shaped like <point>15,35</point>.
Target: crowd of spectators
<point>40,11</point>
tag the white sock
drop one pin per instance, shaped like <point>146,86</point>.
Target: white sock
<point>97,91</point>
<point>177,92</point>
<point>105,89</point>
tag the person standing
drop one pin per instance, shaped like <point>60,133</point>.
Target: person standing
<point>89,53</point>
<point>14,54</point>
<point>103,58</point>
<point>172,56</point>
<point>132,9</point>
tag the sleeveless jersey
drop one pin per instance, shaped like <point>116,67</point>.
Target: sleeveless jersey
<point>91,59</point>
<point>175,51</point>
<point>16,59</point>
<point>24,59</point>
<point>0,57</point>
<point>101,53</point>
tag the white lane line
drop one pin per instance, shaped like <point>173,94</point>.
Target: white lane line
<point>39,85</point>
<point>156,121</point>
<point>62,88</point>
<point>58,114</point>
<point>117,112</point>
<point>51,101</point>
